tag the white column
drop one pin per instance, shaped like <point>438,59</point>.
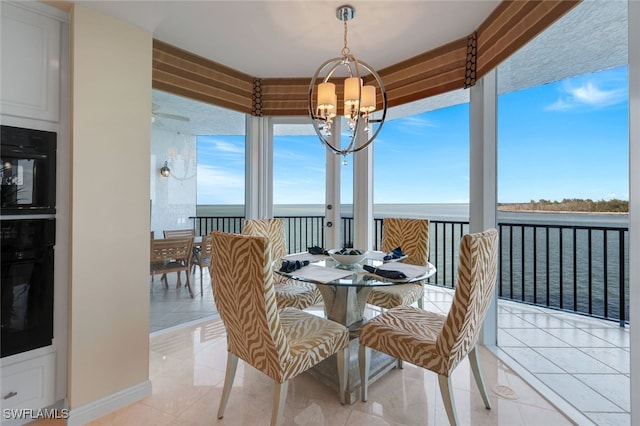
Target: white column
<point>332,204</point>
<point>634,204</point>
<point>483,173</point>
<point>258,168</point>
<point>363,198</point>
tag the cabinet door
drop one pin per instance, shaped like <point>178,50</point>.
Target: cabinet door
<point>29,384</point>
<point>30,64</point>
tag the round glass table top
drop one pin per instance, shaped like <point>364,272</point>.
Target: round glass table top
<point>322,269</point>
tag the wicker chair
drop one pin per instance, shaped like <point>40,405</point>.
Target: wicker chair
<point>435,341</point>
<point>171,255</point>
<point>412,236</point>
<point>289,293</point>
<point>280,343</point>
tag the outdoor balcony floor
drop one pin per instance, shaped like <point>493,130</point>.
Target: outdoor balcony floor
<point>579,364</point>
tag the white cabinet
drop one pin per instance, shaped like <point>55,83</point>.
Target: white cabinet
<point>30,64</point>
<point>29,384</point>
<point>34,65</point>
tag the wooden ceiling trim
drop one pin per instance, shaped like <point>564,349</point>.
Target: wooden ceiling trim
<point>188,75</point>
<point>421,89</point>
<point>200,78</point>
<point>282,96</point>
<point>198,91</point>
<point>206,76</point>
<point>199,96</point>
<point>512,25</point>
<point>175,52</point>
<point>442,58</point>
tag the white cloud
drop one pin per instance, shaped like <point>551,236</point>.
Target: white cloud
<point>588,95</point>
<point>417,122</point>
<point>220,186</point>
<point>228,147</point>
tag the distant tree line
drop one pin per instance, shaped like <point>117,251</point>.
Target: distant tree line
<point>569,205</point>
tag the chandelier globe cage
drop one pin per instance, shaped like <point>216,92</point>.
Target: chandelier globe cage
<point>359,89</point>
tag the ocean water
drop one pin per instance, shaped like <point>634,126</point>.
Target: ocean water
<point>435,211</point>
<point>563,260</point>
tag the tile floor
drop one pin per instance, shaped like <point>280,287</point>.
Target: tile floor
<point>187,372</point>
<point>171,306</point>
<point>579,367</point>
<point>580,364</point>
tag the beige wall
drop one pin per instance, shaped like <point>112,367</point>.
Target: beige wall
<point>109,254</point>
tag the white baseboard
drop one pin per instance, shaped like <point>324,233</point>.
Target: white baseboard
<point>88,412</point>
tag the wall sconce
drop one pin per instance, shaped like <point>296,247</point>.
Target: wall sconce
<point>165,171</point>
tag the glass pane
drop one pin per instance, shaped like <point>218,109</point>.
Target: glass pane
<point>421,163</point>
<point>299,174</point>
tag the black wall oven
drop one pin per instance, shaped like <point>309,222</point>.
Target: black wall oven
<point>27,284</point>
<point>28,171</point>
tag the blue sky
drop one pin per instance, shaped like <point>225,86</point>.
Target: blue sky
<point>567,139</point>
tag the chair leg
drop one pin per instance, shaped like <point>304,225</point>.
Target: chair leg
<point>364,354</point>
<point>399,364</point>
<point>166,282</point>
<point>278,402</point>
<point>421,302</point>
<point>447,398</point>
<point>232,364</point>
<point>188,283</point>
<point>201,292</point>
<point>474,361</point>
<point>343,372</point>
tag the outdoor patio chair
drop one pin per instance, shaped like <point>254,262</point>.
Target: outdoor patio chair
<point>289,293</point>
<point>173,233</point>
<point>202,257</point>
<point>412,236</point>
<point>171,255</point>
<point>280,343</point>
<point>440,342</point>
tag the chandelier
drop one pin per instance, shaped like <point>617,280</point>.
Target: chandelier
<point>358,102</point>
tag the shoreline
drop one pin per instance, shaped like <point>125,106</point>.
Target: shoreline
<point>513,210</point>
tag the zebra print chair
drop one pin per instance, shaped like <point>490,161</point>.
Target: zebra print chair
<point>412,236</point>
<point>289,293</point>
<point>435,341</point>
<point>280,343</point>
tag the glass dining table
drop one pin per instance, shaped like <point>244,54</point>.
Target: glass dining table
<point>345,289</point>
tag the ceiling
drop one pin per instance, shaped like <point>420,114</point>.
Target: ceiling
<point>292,38</point>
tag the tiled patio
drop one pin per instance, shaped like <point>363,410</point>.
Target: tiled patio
<point>580,364</point>
<point>584,360</point>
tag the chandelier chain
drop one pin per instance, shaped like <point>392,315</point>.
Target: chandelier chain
<point>345,49</point>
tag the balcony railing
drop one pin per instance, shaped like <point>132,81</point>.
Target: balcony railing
<point>581,269</point>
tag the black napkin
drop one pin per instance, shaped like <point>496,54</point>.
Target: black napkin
<point>317,250</point>
<point>393,275</point>
<point>292,265</point>
<point>396,253</point>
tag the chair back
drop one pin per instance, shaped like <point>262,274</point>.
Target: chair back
<point>271,229</point>
<point>477,272</point>
<point>205,254</point>
<point>163,250</point>
<point>175,233</point>
<point>411,235</point>
<point>246,301</point>
<point>274,232</point>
